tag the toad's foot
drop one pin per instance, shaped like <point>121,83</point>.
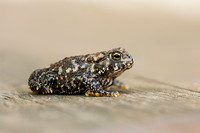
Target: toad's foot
<point>42,89</point>
<point>118,84</point>
<point>102,93</point>
<point>47,90</point>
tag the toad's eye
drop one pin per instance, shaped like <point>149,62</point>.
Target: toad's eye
<point>116,56</point>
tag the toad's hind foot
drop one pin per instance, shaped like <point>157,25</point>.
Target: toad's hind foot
<point>104,93</point>
<point>42,90</point>
<point>47,90</point>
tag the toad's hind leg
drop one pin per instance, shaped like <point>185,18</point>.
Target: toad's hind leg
<point>42,82</point>
<point>96,89</point>
<point>33,80</point>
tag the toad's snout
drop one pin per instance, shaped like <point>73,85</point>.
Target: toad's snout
<point>130,62</point>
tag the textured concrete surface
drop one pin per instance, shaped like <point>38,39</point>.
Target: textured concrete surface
<point>164,94</point>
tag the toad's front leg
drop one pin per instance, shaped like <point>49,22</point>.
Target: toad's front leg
<point>96,89</point>
<point>119,84</point>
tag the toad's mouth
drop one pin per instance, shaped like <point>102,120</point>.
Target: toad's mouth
<point>116,74</point>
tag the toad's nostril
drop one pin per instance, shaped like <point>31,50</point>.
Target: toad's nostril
<point>132,61</point>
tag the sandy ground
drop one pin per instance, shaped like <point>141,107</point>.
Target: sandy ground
<point>164,83</point>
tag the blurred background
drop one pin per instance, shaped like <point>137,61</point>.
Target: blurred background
<point>162,36</point>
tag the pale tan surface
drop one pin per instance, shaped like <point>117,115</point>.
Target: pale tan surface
<point>164,83</point>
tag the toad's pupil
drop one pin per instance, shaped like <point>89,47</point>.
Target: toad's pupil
<point>116,56</point>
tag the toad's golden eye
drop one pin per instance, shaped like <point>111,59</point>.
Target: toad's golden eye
<point>116,55</point>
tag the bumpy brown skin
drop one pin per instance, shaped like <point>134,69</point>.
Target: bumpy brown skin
<point>88,74</point>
